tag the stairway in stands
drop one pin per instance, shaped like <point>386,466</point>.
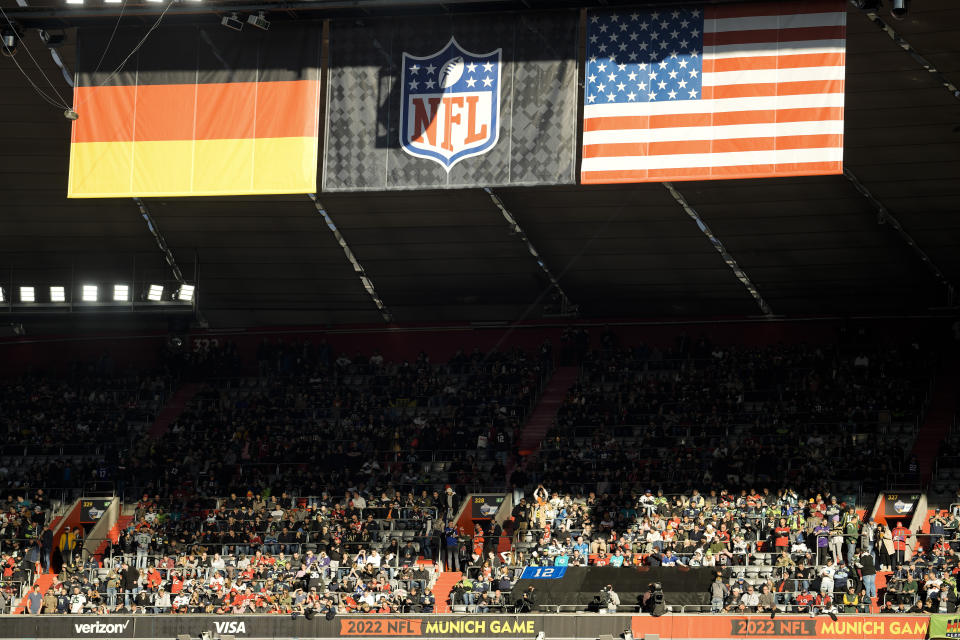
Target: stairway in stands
<point>442,588</point>
<point>113,535</point>
<point>545,413</point>
<point>174,407</point>
<point>44,581</point>
<point>938,419</point>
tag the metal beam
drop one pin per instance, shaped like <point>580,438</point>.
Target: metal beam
<point>357,267</point>
<point>875,18</point>
<point>566,306</point>
<point>740,274</point>
<point>161,241</point>
<point>287,9</point>
<point>885,217</point>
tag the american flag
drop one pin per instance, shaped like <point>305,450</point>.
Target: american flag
<point>724,91</point>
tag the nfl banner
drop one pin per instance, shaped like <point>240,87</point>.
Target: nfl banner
<point>444,102</point>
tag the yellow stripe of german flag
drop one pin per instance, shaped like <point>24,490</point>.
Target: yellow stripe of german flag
<point>193,167</point>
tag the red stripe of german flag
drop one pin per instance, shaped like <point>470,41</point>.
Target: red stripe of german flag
<point>199,111</point>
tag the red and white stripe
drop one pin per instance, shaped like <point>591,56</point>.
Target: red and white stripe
<point>772,104</point>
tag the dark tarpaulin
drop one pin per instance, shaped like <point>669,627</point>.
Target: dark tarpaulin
<point>681,585</point>
<point>537,116</point>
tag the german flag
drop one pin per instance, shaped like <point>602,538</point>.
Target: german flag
<point>196,111</point>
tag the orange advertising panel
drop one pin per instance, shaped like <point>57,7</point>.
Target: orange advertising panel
<point>723,626</point>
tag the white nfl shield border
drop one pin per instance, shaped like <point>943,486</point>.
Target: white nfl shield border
<point>453,47</point>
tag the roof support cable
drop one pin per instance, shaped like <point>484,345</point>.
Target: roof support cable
<point>161,242</point>
<point>740,274</point>
<point>885,217</point>
<point>566,306</point>
<point>357,267</point>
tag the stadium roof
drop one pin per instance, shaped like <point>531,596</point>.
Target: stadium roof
<point>810,245</point>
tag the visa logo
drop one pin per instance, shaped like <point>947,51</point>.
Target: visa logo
<point>230,627</point>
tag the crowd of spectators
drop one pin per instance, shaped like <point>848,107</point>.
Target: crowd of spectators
<point>321,421</point>
<point>770,549</point>
<point>705,415</point>
<point>256,583</point>
<point>317,479</point>
<point>265,554</point>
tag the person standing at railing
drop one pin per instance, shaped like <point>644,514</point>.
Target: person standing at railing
<point>867,532</point>
<point>868,572</point>
<point>113,587</point>
<point>34,600</point>
<point>68,544</point>
<point>130,582</point>
<point>46,549</point>
<point>719,591</point>
<point>451,557</point>
<point>822,534</point>
<point>142,540</point>
<point>900,536</point>
<point>851,532</point>
<point>938,523</point>
<point>836,538</point>
<point>50,601</point>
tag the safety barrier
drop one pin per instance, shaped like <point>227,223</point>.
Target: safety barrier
<point>469,626</point>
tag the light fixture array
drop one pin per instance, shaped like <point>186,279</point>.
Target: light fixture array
<point>92,293</point>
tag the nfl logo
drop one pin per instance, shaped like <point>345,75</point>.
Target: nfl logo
<point>450,104</point>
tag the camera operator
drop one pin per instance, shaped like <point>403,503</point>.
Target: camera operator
<point>609,599</point>
<point>527,602</point>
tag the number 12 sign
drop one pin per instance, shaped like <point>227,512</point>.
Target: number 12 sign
<point>543,573</point>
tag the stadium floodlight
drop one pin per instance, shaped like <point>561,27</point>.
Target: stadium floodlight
<point>155,294</point>
<point>186,293</point>
<point>58,294</point>
<point>259,21</point>
<point>27,294</point>
<point>112,1</point>
<point>2,299</point>
<point>232,22</point>
<point>899,9</point>
<point>90,293</point>
<point>74,1</point>
<point>121,293</point>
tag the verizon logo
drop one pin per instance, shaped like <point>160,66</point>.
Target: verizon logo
<point>101,628</point>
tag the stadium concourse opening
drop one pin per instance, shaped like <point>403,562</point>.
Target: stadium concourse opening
<point>479,319</point>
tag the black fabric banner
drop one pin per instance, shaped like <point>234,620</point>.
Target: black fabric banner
<point>452,101</point>
<point>579,585</point>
